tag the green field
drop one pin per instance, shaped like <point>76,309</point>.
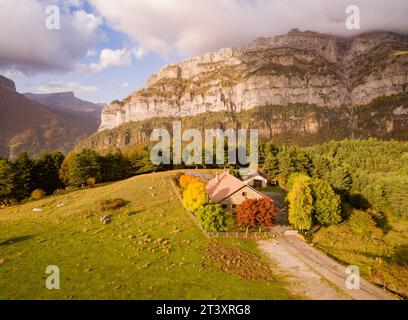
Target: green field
<point>382,261</point>
<point>151,249</point>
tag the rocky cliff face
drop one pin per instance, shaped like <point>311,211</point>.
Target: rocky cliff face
<point>7,84</point>
<point>300,67</point>
<point>301,124</point>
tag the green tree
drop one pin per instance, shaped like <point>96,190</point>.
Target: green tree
<point>271,166</point>
<point>83,165</point>
<point>23,169</point>
<point>301,204</point>
<point>46,172</point>
<point>7,182</point>
<point>340,179</point>
<point>326,203</point>
<point>292,179</point>
<point>287,162</point>
<point>140,162</point>
<point>321,166</point>
<point>212,217</point>
<point>115,166</point>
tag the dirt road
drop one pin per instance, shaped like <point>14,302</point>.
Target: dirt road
<point>313,274</point>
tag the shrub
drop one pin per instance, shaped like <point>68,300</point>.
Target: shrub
<point>362,223</point>
<point>255,212</point>
<point>212,217</point>
<point>59,192</point>
<point>91,181</point>
<point>38,194</point>
<point>195,196</point>
<point>112,204</point>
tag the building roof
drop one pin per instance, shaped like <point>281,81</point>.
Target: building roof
<point>225,185</point>
<point>257,174</point>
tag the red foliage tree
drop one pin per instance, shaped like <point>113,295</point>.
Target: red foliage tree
<point>255,212</point>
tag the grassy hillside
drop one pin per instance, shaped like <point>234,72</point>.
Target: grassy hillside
<point>151,249</point>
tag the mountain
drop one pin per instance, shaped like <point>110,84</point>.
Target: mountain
<point>300,88</point>
<point>85,114</point>
<point>65,100</point>
<point>299,67</point>
<point>26,125</point>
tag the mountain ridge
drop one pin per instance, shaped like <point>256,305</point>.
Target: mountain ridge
<point>299,67</point>
<point>27,125</point>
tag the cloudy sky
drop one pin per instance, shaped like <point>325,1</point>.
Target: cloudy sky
<point>105,49</point>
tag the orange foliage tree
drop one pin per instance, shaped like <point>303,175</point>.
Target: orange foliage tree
<point>186,179</point>
<point>255,212</point>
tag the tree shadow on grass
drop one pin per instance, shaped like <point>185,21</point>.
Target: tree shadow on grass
<point>14,240</point>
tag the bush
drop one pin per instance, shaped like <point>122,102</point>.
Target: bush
<point>38,194</point>
<point>112,204</point>
<point>362,223</point>
<point>195,196</point>
<point>60,192</point>
<point>91,181</point>
<point>212,217</point>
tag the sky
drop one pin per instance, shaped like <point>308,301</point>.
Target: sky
<point>104,49</point>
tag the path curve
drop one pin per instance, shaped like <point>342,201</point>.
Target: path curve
<point>292,255</point>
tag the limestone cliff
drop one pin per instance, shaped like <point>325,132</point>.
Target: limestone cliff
<point>300,67</point>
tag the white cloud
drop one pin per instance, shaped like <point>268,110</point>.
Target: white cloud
<point>190,27</point>
<point>58,86</point>
<point>139,52</point>
<point>27,46</point>
<point>108,57</point>
<point>125,85</point>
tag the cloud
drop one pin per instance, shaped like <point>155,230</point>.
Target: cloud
<point>188,27</point>
<point>139,53</point>
<point>26,45</point>
<point>58,86</point>
<point>125,85</point>
<point>108,57</point>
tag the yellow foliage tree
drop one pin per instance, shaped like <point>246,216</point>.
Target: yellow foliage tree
<point>195,196</point>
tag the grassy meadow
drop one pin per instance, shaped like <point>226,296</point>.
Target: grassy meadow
<point>151,249</point>
<point>383,261</point>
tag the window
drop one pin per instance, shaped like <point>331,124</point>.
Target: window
<point>224,206</point>
<point>234,206</point>
<point>257,183</point>
<point>244,194</point>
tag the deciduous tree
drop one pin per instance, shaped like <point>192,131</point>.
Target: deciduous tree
<point>195,196</point>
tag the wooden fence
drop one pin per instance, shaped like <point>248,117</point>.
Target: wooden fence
<point>221,234</point>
